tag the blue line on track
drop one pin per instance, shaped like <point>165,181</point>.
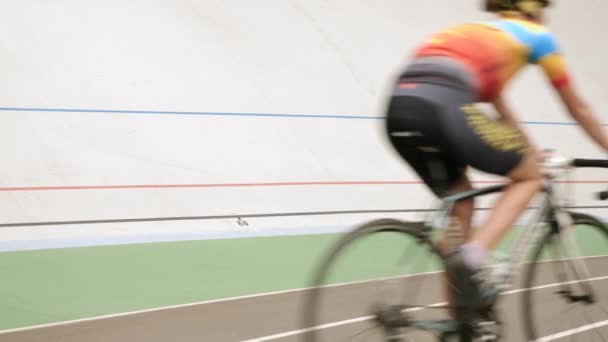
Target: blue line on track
<point>307,116</point>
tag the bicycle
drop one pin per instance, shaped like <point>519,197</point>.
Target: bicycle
<point>552,238</point>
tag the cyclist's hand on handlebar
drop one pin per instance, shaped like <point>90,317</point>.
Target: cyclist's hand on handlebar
<point>543,154</point>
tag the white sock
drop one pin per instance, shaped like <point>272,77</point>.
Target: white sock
<point>473,254</point>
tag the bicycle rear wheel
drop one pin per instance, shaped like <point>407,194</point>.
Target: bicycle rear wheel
<point>386,269</point>
<point>567,294</point>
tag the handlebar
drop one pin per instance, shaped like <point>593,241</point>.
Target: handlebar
<point>598,163</point>
<point>602,195</point>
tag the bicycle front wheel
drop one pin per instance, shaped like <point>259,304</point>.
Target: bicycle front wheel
<point>384,265</point>
<point>566,286</point>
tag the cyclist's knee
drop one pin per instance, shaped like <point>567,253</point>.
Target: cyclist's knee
<point>462,185</point>
<point>528,170</point>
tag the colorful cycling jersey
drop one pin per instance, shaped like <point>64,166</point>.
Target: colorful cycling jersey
<point>495,51</point>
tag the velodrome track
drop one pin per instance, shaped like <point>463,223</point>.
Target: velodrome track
<point>276,317</point>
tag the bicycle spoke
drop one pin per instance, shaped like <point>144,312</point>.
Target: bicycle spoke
<point>393,288</point>
<point>598,333</point>
<point>572,272</point>
<point>568,308</point>
<point>583,285</point>
<point>359,334</point>
<point>586,318</point>
<point>416,286</point>
<point>590,314</point>
<point>574,323</point>
<point>591,320</point>
<point>574,253</point>
<point>559,269</point>
<point>601,308</point>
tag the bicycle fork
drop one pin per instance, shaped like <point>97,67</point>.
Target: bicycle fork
<point>570,255</point>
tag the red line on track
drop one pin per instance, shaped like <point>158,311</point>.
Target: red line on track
<point>240,185</point>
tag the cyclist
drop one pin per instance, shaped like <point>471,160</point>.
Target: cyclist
<point>435,125</point>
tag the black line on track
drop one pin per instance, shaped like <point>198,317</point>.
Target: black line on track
<point>219,217</point>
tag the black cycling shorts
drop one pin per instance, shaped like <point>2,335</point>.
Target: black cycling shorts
<point>439,131</point>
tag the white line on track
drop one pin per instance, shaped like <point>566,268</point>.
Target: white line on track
<point>179,306</point>
<point>123,314</point>
<point>366,318</point>
<point>572,331</point>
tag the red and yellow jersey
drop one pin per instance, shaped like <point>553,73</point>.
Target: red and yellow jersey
<point>495,51</point>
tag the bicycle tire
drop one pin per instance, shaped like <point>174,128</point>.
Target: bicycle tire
<point>312,299</point>
<point>547,242</point>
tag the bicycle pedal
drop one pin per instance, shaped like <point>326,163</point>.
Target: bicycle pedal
<point>487,331</point>
<point>450,337</point>
<point>489,296</point>
<point>391,317</point>
<point>487,338</point>
<point>394,335</point>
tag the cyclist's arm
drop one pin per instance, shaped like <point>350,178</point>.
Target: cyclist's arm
<point>584,115</point>
<point>548,57</point>
<point>509,118</point>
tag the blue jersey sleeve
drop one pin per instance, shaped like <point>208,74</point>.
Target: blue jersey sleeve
<point>544,45</point>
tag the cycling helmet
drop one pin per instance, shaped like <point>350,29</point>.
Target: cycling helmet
<point>529,7</point>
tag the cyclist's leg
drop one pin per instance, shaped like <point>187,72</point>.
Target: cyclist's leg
<point>462,215</point>
<point>414,129</point>
<point>416,121</point>
<point>526,182</point>
<point>499,149</point>
<point>463,210</point>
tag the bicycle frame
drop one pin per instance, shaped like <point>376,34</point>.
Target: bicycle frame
<point>550,212</point>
